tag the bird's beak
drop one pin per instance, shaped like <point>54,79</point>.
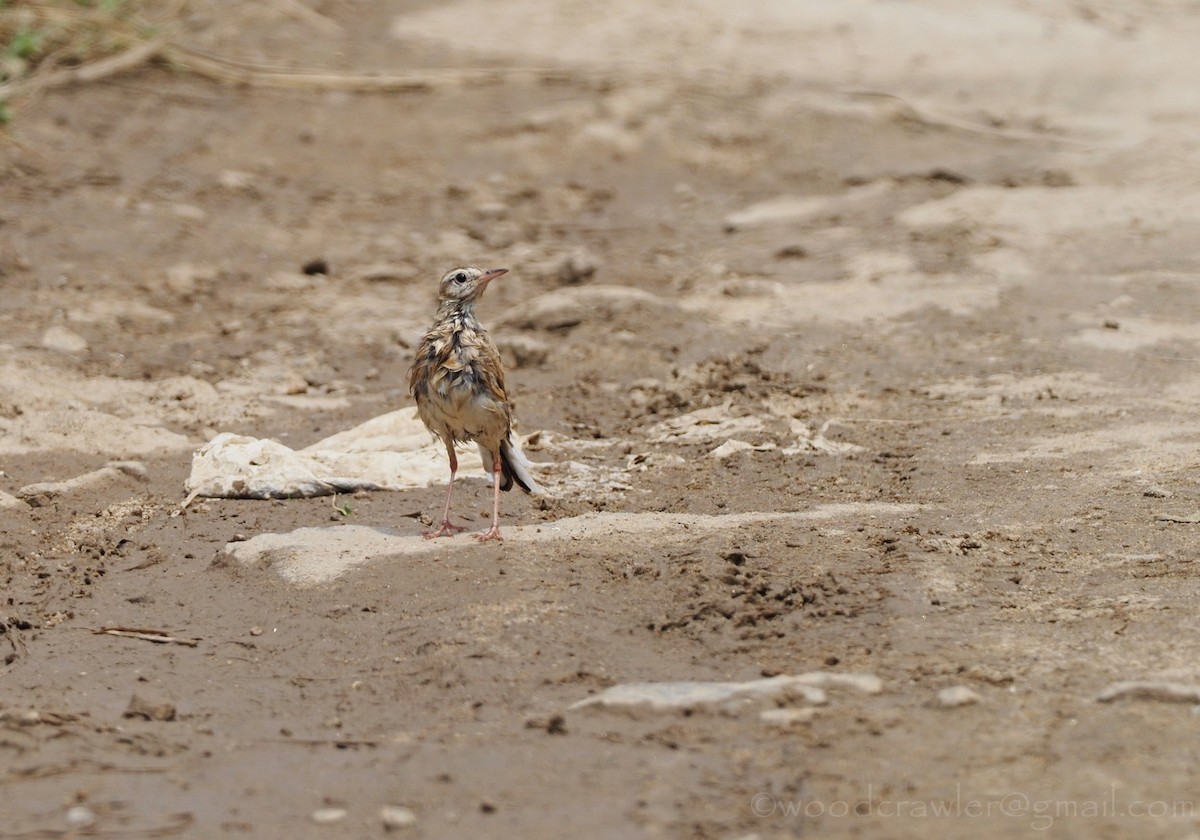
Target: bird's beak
<point>490,275</point>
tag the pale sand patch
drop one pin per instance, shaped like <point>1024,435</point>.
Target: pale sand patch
<point>84,430</point>
<point>1140,445</point>
<point>1037,65</point>
<point>1043,217</point>
<point>879,297</point>
<point>310,556</point>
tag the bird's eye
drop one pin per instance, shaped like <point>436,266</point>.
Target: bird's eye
<point>461,277</point>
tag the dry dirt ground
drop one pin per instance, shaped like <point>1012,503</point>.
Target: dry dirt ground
<point>931,266</point>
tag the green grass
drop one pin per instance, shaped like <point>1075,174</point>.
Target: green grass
<point>38,36</point>
<point>26,43</point>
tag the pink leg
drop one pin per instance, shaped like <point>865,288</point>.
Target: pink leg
<point>448,528</point>
<point>493,533</point>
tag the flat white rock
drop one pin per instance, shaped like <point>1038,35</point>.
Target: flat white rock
<point>391,452</point>
<point>397,816</point>
<point>325,816</point>
<point>955,696</point>
<point>1161,690</point>
<point>684,696</point>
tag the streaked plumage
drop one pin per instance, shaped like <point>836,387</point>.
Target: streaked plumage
<point>457,381</point>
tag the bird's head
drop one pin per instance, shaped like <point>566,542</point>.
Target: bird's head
<point>465,285</point>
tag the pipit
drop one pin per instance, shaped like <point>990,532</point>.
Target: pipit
<point>457,381</point>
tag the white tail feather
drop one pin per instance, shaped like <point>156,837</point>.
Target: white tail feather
<point>518,465</point>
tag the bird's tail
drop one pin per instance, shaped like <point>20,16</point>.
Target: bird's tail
<point>514,466</point>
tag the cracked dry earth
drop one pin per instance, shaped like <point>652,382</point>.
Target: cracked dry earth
<point>824,384</point>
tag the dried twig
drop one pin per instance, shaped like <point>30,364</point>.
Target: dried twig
<point>231,71</point>
<point>91,72</point>
<point>235,72</point>
<point>156,636</point>
<point>46,771</point>
<point>177,822</point>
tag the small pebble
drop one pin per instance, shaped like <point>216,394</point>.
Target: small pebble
<point>80,815</point>
<point>397,816</point>
<point>324,816</point>
<point>959,695</point>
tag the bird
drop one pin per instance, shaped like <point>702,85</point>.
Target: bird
<point>457,382</point>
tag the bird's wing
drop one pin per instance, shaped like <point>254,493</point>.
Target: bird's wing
<point>436,357</point>
<point>424,363</point>
<point>491,369</point>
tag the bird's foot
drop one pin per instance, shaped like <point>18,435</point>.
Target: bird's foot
<point>447,530</point>
<point>492,533</point>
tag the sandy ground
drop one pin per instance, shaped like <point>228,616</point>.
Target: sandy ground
<point>856,340</point>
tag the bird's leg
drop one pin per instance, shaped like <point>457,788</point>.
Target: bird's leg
<point>493,533</point>
<point>448,528</point>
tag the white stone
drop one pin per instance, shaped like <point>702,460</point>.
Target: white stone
<point>393,451</point>
<point>397,816</point>
<point>80,815</point>
<point>675,696</point>
<point>956,696</point>
<point>62,340</point>
<point>325,816</point>
<point>687,696</point>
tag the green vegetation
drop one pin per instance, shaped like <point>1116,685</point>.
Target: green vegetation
<point>42,35</point>
<point>25,44</point>
<point>38,37</point>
